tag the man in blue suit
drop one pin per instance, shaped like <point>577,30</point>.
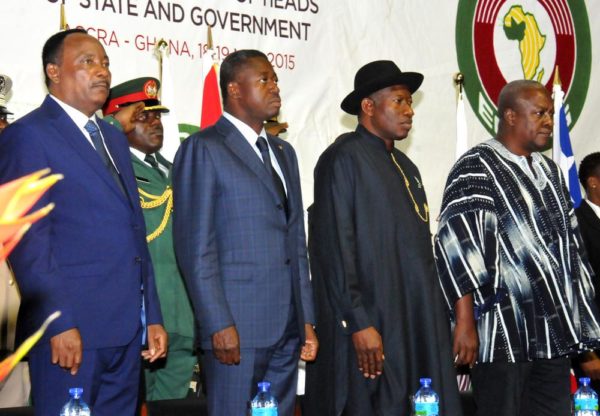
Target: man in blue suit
<point>89,257</point>
<point>239,239</point>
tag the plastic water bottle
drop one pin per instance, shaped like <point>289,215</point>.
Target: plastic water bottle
<point>427,402</point>
<point>75,406</point>
<point>586,399</point>
<point>263,404</point>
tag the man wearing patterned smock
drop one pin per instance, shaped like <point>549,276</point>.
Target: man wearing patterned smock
<point>511,264</point>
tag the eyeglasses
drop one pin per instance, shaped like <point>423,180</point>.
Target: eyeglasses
<point>148,116</point>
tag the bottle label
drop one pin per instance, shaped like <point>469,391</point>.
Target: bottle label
<point>586,404</point>
<point>264,411</point>
<point>426,409</point>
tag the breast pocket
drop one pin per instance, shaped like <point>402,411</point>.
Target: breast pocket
<point>238,272</point>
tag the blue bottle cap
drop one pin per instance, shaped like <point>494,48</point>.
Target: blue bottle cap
<point>264,386</point>
<point>76,392</point>
<point>584,380</point>
<point>425,381</point>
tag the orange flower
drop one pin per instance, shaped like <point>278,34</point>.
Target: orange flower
<point>16,199</point>
<point>12,360</point>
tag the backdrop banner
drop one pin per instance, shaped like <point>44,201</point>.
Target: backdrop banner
<point>316,47</point>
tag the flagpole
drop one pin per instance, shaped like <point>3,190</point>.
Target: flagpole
<point>210,110</point>
<point>462,144</point>
<point>459,80</point>
<point>209,40</point>
<point>166,95</point>
<point>557,95</point>
<point>159,51</point>
<point>63,20</point>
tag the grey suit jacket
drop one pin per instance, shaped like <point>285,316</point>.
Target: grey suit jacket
<point>243,260</point>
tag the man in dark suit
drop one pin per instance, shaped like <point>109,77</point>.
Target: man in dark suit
<point>239,239</point>
<point>89,257</point>
<point>588,213</point>
<point>588,217</point>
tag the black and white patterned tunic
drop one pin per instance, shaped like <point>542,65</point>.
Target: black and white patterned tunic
<point>508,234</point>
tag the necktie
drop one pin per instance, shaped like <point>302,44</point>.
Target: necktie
<point>94,132</point>
<point>151,160</point>
<point>262,145</point>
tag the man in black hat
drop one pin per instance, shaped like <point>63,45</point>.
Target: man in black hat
<point>380,312</point>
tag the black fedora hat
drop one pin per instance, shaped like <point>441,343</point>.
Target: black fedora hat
<point>375,76</point>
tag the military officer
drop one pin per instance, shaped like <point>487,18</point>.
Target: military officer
<point>135,108</point>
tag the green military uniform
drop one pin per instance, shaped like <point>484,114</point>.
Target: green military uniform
<point>170,378</point>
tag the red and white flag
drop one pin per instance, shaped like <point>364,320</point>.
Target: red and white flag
<point>211,100</point>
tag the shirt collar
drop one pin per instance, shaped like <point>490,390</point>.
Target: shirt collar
<point>142,156</point>
<point>139,154</point>
<point>594,207</point>
<point>539,178</point>
<point>247,131</point>
<point>77,116</point>
<point>372,137</point>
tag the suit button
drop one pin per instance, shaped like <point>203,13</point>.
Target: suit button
<point>288,261</point>
<point>138,259</point>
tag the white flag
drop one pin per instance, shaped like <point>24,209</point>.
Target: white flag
<point>171,139</point>
<point>562,152</point>
<point>461,127</point>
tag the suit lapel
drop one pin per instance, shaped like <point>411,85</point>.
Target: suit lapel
<point>141,171</point>
<point>68,130</point>
<point>285,169</point>
<point>123,163</point>
<point>241,148</point>
<point>161,160</point>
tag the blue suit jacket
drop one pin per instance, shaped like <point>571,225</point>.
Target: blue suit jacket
<point>243,260</point>
<point>88,258</point>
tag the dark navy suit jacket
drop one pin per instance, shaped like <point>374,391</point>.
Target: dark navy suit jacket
<point>243,260</point>
<point>589,225</point>
<point>88,258</point>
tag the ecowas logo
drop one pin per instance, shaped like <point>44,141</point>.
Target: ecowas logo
<point>498,41</point>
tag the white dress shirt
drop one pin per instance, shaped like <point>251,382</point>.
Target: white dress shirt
<point>142,156</point>
<point>80,121</point>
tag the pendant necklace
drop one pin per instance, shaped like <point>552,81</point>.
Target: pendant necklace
<point>424,217</point>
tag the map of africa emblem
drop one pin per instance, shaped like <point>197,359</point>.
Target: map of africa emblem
<point>498,41</point>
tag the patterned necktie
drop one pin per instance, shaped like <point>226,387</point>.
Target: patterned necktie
<point>151,160</point>
<point>94,132</point>
<point>262,145</point>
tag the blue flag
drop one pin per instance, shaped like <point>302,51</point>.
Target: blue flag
<point>562,150</point>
